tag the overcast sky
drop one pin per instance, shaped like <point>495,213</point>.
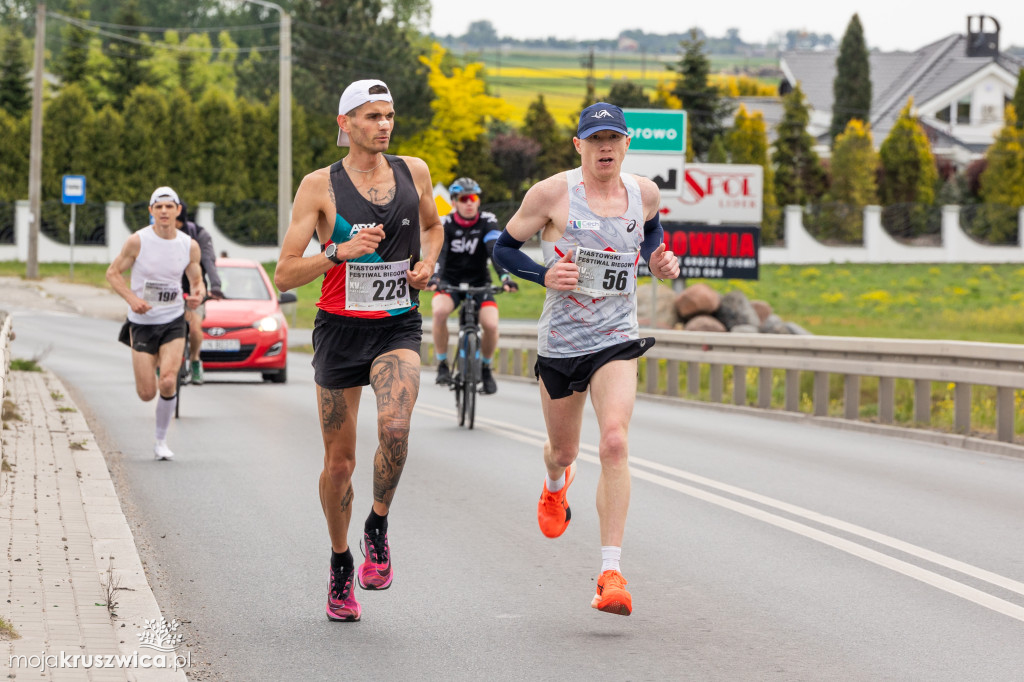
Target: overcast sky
<point>887,25</point>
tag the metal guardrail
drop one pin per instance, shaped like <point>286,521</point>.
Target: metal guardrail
<point>962,363</point>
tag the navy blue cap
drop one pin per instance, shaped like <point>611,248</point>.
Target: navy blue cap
<point>601,116</point>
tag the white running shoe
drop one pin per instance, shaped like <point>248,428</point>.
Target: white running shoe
<point>161,451</point>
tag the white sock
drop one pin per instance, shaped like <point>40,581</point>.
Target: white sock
<point>610,558</point>
<point>554,486</point>
<point>164,412</point>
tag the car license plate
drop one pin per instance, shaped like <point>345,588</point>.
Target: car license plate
<point>222,344</point>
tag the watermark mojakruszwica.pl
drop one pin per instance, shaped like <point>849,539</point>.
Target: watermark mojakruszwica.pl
<point>159,635</point>
<point>65,661</point>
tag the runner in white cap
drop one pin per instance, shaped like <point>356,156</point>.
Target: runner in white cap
<point>375,215</point>
<point>158,255</point>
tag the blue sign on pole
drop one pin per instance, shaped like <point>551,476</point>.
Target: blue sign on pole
<point>73,189</point>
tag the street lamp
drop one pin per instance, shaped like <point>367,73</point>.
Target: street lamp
<point>284,121</point>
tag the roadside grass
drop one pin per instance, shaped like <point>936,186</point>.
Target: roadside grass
<point>962,302</point>
<point>7,631</point>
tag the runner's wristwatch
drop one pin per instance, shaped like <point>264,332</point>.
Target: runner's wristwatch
<point>330,252</point>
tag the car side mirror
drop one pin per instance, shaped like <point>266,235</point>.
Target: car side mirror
<point>287,297</point>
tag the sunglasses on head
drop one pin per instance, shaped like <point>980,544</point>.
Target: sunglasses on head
<point>467,198</point>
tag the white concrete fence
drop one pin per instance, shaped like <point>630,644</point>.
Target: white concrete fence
<point>800,247</point>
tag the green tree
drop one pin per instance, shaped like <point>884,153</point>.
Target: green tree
<point>67,127</point>
<point>145,143</point>
<point>854,179</point>
<point>747,142</point>
<point>15,94</point>
<point>799,177</point>
<point>72,62</point>
<point>1002,183</point>
<point>128,57</point>
<point>341,42</point>
<point>851,89</point>
<point>1018,99</point>
<point>718,153</point>
<point>909,175</point>
<point>14,142</point>
<point>97,75</point>
<point>184,132</point>
<point>475,162</point>
<point>260,159</point>
<point>629,95</point>
<point>556,150</point>
<point>461,108</point>
<point>108,180</point>
<point>908,165</point>
<point>222,175</point>
<point>706,109</point>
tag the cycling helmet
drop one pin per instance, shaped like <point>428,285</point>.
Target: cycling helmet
<point>463,186</point>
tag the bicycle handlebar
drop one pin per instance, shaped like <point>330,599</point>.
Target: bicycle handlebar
<point>459,289</point>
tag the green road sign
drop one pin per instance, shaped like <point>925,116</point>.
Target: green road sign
<point>657,131</point>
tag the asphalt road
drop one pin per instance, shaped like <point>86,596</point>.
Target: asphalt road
<point>755,549</point>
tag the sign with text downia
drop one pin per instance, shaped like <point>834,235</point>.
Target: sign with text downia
<point>658,131</point>
<point>715,251</point>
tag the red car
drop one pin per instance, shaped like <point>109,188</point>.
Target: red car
<point>246,331</point>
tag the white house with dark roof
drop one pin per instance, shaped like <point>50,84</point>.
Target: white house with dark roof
<point>960,85</point>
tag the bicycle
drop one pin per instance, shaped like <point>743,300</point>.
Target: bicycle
<point>184,377</point>
<point>468,363</point>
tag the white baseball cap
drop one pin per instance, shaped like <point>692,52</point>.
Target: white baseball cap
<point>356,95</point>
<point>163,193</point>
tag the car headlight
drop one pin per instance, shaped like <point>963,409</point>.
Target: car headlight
<point>271,323</point>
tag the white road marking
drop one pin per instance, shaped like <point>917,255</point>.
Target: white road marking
<point>941,582</point>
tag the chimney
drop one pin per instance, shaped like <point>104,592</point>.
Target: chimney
<point>979,42</point>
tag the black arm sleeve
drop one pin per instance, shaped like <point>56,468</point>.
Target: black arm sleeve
<point>654,236</point>
<point>489,240</point>
<point>507,254</point>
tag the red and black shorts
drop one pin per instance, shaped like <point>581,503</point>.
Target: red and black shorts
<point>344,348</point>
<point>564,376</point>
<point>457,298</point>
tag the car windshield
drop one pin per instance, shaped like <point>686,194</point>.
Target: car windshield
<point>243,284</point>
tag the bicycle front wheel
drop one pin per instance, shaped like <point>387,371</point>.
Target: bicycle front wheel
<point>183,376</point>
<point>470,378</point>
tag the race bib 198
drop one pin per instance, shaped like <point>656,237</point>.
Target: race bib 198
<point>606,273</point>
<point>376,286</point>
<point>159,294</point>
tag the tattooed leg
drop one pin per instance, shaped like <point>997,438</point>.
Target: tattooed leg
<point>338,410</point>
<point>395,378</point>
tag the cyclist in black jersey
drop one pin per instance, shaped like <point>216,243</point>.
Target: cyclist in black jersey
<point>469,236</point>
<point>211,278</point>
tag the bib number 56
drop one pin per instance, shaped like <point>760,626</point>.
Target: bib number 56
<point>615,281</point>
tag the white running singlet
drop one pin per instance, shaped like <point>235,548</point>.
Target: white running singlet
<point>156,275</point>
<point>575,323</point>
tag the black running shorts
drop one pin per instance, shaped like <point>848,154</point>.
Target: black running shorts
<point>563,376</point>
<point>344,348</point>
<point>147,338</point>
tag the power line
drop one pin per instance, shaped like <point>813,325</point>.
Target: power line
<point>158,45</point>
<point>159,29</point>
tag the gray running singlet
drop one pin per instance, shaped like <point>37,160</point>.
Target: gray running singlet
<point>156,275</point>
<point>574,323</point>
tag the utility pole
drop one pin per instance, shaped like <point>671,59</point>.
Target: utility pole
<point>284,130</point>
<point>35,158</point>
<point>588,64</point>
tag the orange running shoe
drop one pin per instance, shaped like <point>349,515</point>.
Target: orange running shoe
<point>553,512</point>
<point>612,595</point>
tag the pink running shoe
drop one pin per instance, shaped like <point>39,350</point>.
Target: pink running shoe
<point>375,572</point>
<point>341,601</point>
